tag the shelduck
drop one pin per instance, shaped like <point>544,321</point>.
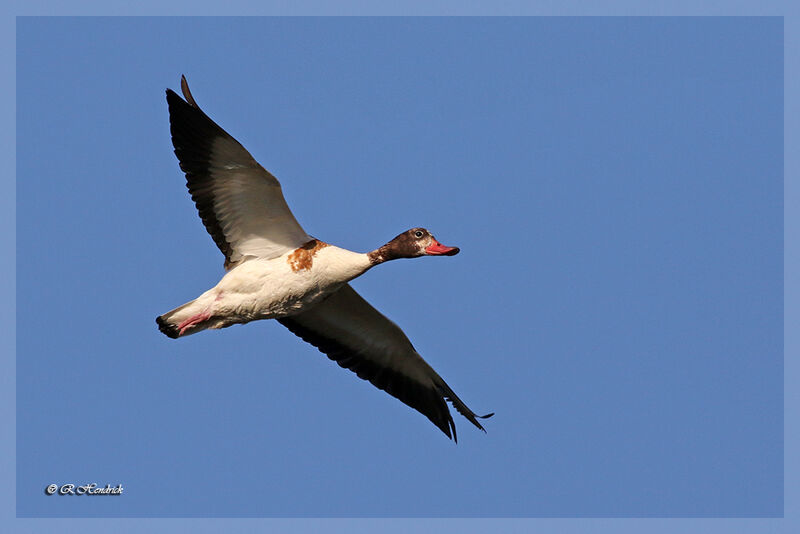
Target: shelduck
<point>275,270</point>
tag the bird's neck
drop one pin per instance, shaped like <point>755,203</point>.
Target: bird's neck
<point>382,254</point>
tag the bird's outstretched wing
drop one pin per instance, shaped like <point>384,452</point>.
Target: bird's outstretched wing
<point>358,337</point>
<point>240,202</point>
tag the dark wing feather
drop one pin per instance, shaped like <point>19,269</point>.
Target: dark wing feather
<point>239,202</point>
<point>358,337</point>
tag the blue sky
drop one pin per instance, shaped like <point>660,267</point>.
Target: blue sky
<point>615,186</point>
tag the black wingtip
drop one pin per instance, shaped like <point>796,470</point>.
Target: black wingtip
<point>173,98</point>
<point>487,416</point>
<point>187,94</point>
<point>167,329</point>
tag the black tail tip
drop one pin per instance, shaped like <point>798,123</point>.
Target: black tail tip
<point>166,328</point>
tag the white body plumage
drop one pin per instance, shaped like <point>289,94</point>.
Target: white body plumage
<point>258,288</point>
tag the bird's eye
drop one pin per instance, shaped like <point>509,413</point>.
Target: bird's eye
<point>418,234</point>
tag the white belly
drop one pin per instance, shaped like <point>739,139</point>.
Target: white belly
<point>266,289</point>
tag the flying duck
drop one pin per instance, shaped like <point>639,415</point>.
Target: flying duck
<point>275,270</point>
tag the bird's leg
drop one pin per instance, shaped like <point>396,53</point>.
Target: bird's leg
<point>193,320</point>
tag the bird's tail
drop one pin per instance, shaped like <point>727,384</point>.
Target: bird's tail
<point>184,320</point>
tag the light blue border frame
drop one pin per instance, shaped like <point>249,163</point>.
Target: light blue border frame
<point>16,8</point>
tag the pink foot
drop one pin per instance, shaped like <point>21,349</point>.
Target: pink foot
<point>193,320</point>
